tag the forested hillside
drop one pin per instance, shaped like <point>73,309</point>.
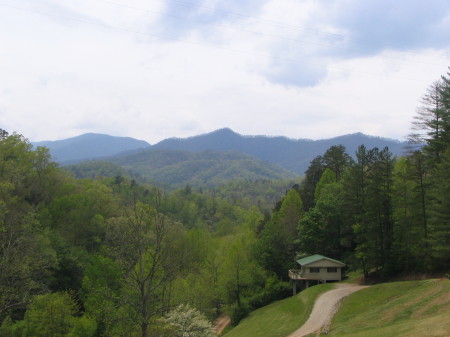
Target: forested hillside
<point>117,257</point>
<point>114,256</point>
<point>292,154</point>
<point>175,169</point>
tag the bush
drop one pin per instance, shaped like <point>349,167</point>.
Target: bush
<point>11,329</point>
<point>238,312</point>
<point>83,327</point>
<point>274,290</point>
<point>187,321</point>
<point>50,315</point>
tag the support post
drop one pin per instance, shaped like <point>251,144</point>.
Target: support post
<point>294,287</point>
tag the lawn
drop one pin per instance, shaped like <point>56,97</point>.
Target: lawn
<point>403,309</point>
<point>280,318</point>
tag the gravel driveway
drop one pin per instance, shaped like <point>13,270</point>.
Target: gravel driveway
<point>324,309</point>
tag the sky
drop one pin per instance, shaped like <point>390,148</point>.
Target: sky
<point>155,69</point>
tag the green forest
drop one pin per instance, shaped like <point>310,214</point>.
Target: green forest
<point>110,256</point>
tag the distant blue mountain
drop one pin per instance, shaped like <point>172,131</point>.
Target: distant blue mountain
<point>291,154</point>
<point>90,146</point>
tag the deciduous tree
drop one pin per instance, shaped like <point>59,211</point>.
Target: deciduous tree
<point>145,244</point>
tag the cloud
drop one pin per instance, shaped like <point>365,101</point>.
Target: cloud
<point>334,31</point>
<point>283,70</point>
<point>374,26</point>
<point>181,18</point>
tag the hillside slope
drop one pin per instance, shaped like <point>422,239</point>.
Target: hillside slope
<point>178,168</point>
<point>280,318</point>
<point>396,309</point>
<point>291,154</point>
<point>400,309</point>
<point>90,146</point>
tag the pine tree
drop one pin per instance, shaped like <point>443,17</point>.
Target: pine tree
<point>439,236</point>
<point>431,125</point>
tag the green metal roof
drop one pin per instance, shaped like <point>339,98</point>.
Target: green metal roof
<point>314,258</point>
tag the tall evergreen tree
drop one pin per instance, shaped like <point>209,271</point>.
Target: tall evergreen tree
<point>277,246</point>
<point>439,235</point>
<point>368,203</point>
<point>312,177</point>
<point>336,159</point>
<point>431,125</point>
<point>410,209</point>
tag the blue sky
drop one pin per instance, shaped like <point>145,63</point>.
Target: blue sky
<point>154,69</point>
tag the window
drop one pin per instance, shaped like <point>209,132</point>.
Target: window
<point>331,270</point>
<point>314,270</point>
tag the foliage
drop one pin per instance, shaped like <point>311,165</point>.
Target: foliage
<point>327,177</point>
<point>176,169</point>
<point>312,177</point>
<point>439,221</point>
<point>26,255</point>
<point>432,123</point>
<point>336,159</point>
<point>277,245</point>
<point>94,169</point>
<point>188,321</point>
<point>274,290</point>
<point>145,246</point>
<point>51,315</point>
<point>248,193</point>
<point>368,196</point>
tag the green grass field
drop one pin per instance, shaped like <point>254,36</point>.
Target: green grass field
<point>400,309</point>
<point>396,309</point>
<point>279,318</point>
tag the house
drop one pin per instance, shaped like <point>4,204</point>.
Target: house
<point>316,269</point>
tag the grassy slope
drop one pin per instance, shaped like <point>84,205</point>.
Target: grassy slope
<point>279,318</point>
<point>410,308</point>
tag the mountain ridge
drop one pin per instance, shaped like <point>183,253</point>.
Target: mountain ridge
<point>291,154</point>
<point>90,146</point>
<point>176,169</point>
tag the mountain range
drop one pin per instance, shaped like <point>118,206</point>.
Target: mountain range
<point>290,154</point>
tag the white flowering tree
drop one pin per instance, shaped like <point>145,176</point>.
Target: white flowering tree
<point>189,322</point>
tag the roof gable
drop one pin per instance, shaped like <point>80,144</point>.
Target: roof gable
<point>314,258</point>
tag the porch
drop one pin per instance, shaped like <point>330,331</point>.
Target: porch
<point>298,278</point>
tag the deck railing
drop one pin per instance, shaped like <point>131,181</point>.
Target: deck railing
<point>296,274</point>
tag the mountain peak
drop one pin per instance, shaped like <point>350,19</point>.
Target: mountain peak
<point>224,131</point>
<point>89,146</point>
<point>291,154</point>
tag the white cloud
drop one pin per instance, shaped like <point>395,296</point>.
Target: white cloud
<point>63,77</point>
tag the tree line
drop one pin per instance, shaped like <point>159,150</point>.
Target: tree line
<point>382,214</point>
<point>112,257</point>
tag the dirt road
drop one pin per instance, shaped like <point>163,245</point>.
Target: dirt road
<point>221,323</point>
<point>324,309</point>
